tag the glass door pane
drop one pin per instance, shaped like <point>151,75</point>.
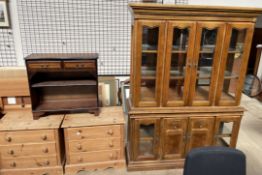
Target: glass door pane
<point>148,57</point>
<point>149,63</point>
<point>147,139</point>
<point>179,48</point>
<point>233,64</point>
<point>209,37</point>
<point>205,64</point>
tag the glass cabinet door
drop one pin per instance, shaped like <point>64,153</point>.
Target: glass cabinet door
<point>208,45</point>
<point>149,51</point>
<point>179,54</point>
<point>146,139</point>
<point>234,62</point>
<point>226,131</point>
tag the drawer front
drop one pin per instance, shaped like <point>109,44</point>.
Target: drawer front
<point>94,145</point>
<point>15,137</point>
<point>202,123</point>
<point>58,170</point>
<point>28,150</point>
<point>44,65</point>
<point>34,162</point>
<point>79,64</point>
<point>95,157</point>
<point>93,132</point>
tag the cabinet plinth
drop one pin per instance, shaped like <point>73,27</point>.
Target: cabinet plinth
<point>188,65</point>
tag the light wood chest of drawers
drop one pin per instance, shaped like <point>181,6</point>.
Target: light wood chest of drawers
<point>94,142</point>
<point>30,146</point>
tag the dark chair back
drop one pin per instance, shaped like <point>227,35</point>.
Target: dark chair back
<point>215,161</point>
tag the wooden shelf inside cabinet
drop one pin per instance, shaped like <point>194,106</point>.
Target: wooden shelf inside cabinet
<point>65,83</point>
<point>73,87</point>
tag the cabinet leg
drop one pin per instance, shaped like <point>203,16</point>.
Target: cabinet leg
<point>36,115</point>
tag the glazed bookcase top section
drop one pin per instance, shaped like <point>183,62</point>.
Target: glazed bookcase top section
<point>194,10</point>
<point>46,56</point>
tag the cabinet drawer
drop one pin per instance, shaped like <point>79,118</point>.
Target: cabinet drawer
<point>14,137</point>
<point>58,170</point>
<point>95,156</point>
<point>93,132</point>
<point>44,65</point>
<point>29,162</point>
<point>28,150</point>
<point>94,145</point>
<point>79,64</point>
<point>201,123</point>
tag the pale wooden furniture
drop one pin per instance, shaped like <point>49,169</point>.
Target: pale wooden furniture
<point>63,83</point>
<point>94,142</point>
<point>14,83</point>
<point>30,146</point>
<point>187,71</point>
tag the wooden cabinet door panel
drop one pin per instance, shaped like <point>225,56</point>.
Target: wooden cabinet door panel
<point>226,130</point>
<point>204,72</point>
<point>148,62</point>
<point>200,132</point>
<point>173,137</point>
<point>234,61</point>
<point>146,139</point>
<point>178,61</point>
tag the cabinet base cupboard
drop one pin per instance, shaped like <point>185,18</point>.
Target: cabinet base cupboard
<point>188,66</point>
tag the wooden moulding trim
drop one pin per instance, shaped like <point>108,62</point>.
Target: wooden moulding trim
<point>184,110</point>
<point>194,10</point>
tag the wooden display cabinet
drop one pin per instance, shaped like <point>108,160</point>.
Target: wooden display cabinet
<point>187,70</point>
<point>63,83</point>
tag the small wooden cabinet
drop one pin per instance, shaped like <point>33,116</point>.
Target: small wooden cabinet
<point>188,65</point>
<point>30,146</point>
<point>63,83</point>
<point>166,139</point>
<point>94,142</point>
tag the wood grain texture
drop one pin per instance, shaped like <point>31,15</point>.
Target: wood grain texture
<point>107,116</point>
<point>15,120</point>
<point>13,82</point>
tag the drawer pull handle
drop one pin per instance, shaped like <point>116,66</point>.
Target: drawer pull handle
<point>80,159</point>
<point>47,163</point>
<point>79,147</point>
<point>112,156</point>
<point>44,137</point>
<point>8,139</point>
<point>44,66</point>
<point>45,150</point>
<point>110,132</point>
<point>13,164</point>
<point>11,152</point>
<point>111,144</point>
<point>45,174</point>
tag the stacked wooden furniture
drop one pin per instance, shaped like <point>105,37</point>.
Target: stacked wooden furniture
<point>187,71</point>
<point>63,83</point>
<point>94,142</point>
<point>30,146</point>
<point>13,83</point>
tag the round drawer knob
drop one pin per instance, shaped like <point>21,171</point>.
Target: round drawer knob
<point>112,156</point>
<point>79,147</point>
<point>111,144</point>
<point>13,164</point>
<point>8,139</point>
<point>11,152</point>
<point>45,150</point>
<point>110,132</point>
<point>47,163</point>
<point>80,159</point>
<point>44,137</point>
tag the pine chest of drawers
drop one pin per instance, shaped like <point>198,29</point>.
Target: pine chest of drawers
<point>94,142</point>
<point>30,146</point>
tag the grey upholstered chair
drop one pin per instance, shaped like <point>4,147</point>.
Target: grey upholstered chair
<point>215,161</point>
